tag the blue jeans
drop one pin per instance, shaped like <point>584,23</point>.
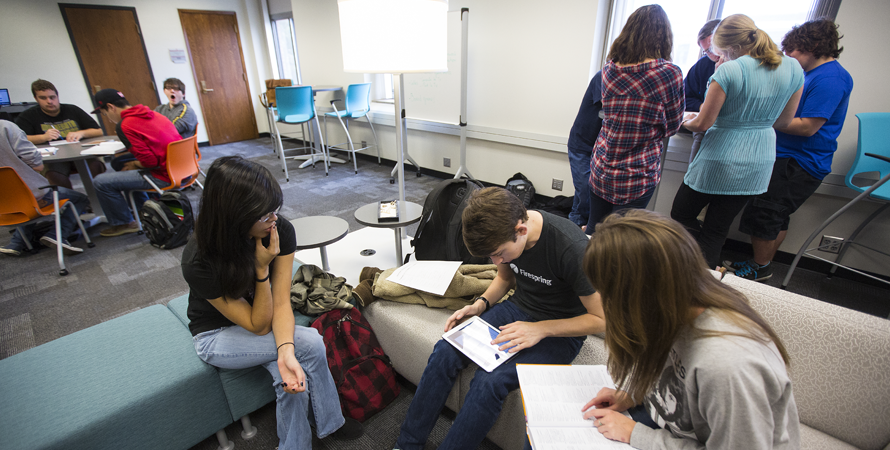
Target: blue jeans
<point>579,163</point>
<point>487,391</point>
<point>68,219</point>
<point>236,348</point>
<point>600,208</point>
<point>109,187</point>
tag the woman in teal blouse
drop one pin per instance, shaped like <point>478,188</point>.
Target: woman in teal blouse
<point>754,89</point>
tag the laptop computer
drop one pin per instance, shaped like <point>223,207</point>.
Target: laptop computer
<point>4,97</point>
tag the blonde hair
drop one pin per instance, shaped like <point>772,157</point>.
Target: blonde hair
<point>652,277</point>
<point>738,35</point>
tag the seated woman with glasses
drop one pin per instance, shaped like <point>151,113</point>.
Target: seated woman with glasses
<point>238,265</point>
<point>704,367</point>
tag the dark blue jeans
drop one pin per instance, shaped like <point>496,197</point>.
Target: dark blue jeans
<point>600,208</point>
<point>579,163</point>
<point>487,392</point>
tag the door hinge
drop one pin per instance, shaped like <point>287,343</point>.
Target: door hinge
<point>244,75</point>
<point>138,31</point>
<point>154,86</point>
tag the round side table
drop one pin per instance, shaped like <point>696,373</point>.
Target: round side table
<point>410,213</point>
<point>318,232</point>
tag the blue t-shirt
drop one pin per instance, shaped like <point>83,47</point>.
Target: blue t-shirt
<point>826,94</point>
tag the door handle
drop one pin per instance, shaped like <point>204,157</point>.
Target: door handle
<point>98,88</point>
<point>204,87</point>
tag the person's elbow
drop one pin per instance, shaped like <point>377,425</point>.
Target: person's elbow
<point>39,168</point>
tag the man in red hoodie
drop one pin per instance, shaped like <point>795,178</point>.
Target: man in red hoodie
<point>148,133</point>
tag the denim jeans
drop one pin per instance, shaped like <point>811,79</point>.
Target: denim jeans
<point>109,187</point>
<point>67,218</point>
<point>579,163</point>
<point>600,208</point>
<point>236,348</point>
<point>484,400</point>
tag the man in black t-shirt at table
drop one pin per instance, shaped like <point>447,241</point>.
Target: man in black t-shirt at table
<point>546,320</point>
<point>53,121</point>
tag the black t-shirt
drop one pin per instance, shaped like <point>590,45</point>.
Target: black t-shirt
<point>34,121</point>
<point>204,284</point>
<point>550,276</point>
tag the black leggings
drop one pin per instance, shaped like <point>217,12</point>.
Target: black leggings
<point>711,234</point>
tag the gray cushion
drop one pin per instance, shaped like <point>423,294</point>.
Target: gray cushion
<point>131,382</point>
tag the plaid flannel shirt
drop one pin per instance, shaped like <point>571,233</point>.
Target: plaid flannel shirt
<point>642,104</point>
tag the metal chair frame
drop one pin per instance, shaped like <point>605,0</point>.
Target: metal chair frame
<point>353,97</point>
<point>282,109</point>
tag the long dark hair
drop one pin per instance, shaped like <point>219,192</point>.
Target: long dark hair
<point>651,275</point>
<point>647,34</point>
<point>237,193</point>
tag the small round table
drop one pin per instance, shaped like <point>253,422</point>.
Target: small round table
<point>318,232</point>
<point>367,215</point>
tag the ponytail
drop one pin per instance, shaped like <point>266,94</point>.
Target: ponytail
<point>765,50</point>
<point>738,34</point>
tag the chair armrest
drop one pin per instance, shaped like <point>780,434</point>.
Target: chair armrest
<point>51,186</point>
<point>881,157</point>
<point>336,100</point>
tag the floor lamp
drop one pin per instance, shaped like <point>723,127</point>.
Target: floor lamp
<point>397,37</point>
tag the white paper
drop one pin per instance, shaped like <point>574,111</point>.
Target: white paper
<point>60,142</point>
<point>427,276</point>
<point>105,148</point>
<point>545,438</point>
<point>48,151</point>
<point>473,338</point>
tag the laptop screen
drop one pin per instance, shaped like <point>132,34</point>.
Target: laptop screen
<point>4,97</point>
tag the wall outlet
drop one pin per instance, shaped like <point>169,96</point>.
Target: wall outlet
<point>557,184</point>
<point>446,162</point>
<point>831,244</point>
<point>364,144</point>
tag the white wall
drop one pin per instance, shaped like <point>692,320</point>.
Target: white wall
<point>49,54</point>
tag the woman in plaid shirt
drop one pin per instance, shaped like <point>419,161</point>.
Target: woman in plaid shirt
<point>643,102</point>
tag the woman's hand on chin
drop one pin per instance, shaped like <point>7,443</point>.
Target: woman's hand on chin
<point>265,255</point>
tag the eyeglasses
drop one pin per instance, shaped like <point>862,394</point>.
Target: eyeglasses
<point>269,217</point>
<point>708,51</point>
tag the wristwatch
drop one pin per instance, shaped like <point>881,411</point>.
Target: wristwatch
<point>487,305</point>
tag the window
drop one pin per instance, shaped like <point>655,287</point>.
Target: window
<point>285,48</point>
<point>688,16</point>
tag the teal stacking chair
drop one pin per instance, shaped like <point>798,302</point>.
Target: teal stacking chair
<point>296,106</point>
<point>358,105</point>
<point>873,155</point>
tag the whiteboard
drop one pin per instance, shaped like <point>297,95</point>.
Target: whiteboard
<point>436,96</point>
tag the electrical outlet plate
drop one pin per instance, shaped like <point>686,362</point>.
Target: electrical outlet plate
<point>831,244</point>
<point>557,184</point>
<point>446,162</point>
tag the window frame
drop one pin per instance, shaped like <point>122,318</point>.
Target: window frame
<point>273,18</point>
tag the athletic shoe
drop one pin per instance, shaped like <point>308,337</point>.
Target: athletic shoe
<point>10,251</point>
<point>755,272</point>
<point>350,431</point>
<point>119,230</point>
<point>67,248</point>
<point>733,266</point>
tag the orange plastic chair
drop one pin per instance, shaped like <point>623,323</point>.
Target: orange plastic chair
<point>182,169</point>
<point>18,207</point>
<point>198,151</point>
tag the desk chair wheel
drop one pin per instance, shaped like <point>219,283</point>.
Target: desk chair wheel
<point>63,272</point>
<point>418,174</point>
<point>91,245</point>
<point>392,181</point>
<point>140,232</point>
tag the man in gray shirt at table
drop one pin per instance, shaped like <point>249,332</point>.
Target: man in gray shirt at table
<point>178,109</point>
<point>20,154</point>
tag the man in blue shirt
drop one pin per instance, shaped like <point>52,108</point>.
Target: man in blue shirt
<point>804,149</point>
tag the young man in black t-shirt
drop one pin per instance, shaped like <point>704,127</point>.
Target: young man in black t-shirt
<point>53,121</point>
<point>546,319</point>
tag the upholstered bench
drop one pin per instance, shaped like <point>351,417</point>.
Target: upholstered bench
<point>133,382</point>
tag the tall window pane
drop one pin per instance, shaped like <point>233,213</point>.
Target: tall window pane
<point>774,17</point>
<point>287,63</point>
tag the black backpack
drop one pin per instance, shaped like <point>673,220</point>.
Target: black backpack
<point>521,187</point>
<point>439,236</point>
<point>167,221</point>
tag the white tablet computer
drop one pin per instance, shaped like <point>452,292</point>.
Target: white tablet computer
<point>473,338</point>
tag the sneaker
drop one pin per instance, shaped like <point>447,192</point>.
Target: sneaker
<point>755,272</point>
<point>350,431</point>
<point>119,230</point>
<point>67,248</point>
<point>733,266</point>
<point>10,251</point>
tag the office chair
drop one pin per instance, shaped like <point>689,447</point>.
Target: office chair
<point>182,169</point>
<point>358,105</point>
<point>873,155</point>
<point>296,106</point>
<point>19,208</point>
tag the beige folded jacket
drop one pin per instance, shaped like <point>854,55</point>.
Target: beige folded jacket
<point>469,281</point>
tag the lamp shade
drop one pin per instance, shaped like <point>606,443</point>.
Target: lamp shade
<point>394,36</point>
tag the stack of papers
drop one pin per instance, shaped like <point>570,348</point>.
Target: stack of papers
<point>105,148</point>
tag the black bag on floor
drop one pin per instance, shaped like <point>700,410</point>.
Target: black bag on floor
<point>439,236</point>
<point>521,187</point>
<point>167,221</point>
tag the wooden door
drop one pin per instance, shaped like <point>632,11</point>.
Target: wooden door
<point>214,47</point>
<point>109,47</point>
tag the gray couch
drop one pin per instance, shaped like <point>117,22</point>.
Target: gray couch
<point>840,365</point>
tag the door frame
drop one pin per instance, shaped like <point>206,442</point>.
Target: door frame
<point>83,69</point>
<point>195,72</point>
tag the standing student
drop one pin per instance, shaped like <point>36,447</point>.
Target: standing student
<point>53,121</point>
<point>546,320</point>
<point>804,148</point>
<point>582,138</point>
<point>696,82</point>
<point>642,104</point>
<point>238,266</point>
<point>690,350</point>
<point>755,89</point>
